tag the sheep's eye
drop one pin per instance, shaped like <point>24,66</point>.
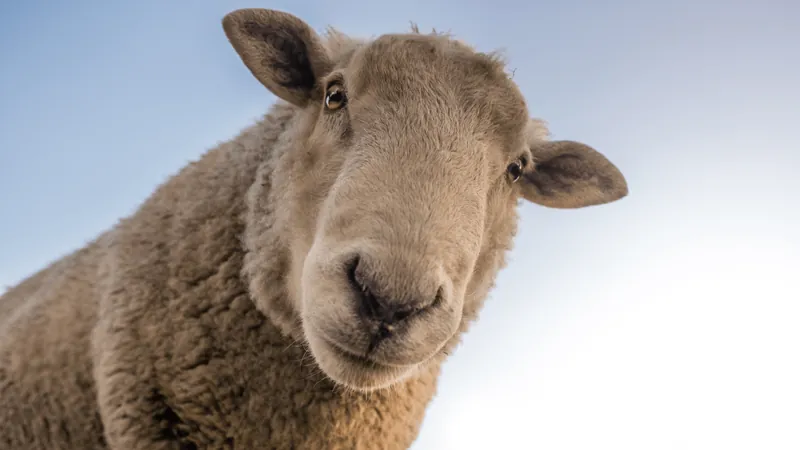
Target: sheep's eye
<point>335,97</point>
<point>515,170</point>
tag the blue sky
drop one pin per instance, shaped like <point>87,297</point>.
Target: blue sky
<point>666,320</point>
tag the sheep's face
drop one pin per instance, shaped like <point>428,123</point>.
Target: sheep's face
<point>411,153</point>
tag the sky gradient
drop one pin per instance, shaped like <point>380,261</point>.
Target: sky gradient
<point>667,320</point>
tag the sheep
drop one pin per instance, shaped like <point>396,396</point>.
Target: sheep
<point>300,285</point>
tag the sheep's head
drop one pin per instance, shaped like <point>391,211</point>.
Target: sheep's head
<point>410,153</point>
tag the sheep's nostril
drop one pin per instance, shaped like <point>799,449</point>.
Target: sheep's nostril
<point>370,307</point>
<point>352,266</point>
<point>368,303</point>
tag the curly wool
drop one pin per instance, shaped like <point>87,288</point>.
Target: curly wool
<point>155,318</point>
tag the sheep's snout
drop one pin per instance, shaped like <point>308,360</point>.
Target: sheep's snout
<point>376,304</point>
<point>373,314</point>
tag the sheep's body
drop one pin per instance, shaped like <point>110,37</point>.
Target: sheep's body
<point>47,392</point>
<point>300,285</point>
<point>196,357</point>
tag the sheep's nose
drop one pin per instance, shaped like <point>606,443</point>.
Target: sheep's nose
<point>391,299</point>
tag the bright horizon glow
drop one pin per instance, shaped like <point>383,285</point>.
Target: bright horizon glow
<point>667,320</point>
<point>669,372</point>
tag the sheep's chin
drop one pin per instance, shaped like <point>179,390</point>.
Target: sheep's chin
<point>350,371</point>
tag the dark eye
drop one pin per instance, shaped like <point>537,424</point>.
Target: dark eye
<point>335,97</point>
<point>515,170</point>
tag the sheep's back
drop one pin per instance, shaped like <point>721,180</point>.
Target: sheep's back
<point>46,386</point>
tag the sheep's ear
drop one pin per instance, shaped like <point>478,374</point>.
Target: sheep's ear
<point>280,50</point>
<point>569,174</point>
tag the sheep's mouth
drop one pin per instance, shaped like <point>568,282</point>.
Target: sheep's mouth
<point>351,357</point>
<point>351,369</point>
<point>364,360</point>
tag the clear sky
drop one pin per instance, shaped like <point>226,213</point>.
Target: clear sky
<point>668,320</point>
